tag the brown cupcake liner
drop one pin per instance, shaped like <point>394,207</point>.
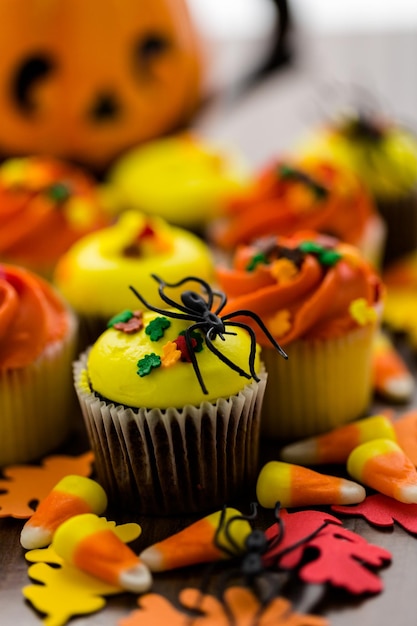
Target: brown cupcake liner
<point>324,384</point>
<point>174,461</point>
<point>36,403</point>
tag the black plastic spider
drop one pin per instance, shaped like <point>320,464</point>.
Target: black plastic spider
<point>197,309</point>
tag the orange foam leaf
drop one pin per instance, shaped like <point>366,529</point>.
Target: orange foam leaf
<point>241,603</point>
<point>25,484</point>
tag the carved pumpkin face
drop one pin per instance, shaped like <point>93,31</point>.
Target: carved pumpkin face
<point>86,79</point>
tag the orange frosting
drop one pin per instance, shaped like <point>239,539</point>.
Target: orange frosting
<point>287,197</point>
<point>31,317</point>
<point>314,300</point>
<point>45,206</point>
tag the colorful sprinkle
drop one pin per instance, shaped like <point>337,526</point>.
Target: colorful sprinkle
<point>283,270</point>
<point>256,260</point>
<point>325,256</point>
<point>171,354</point>
<point>361,312</point>
<point>198,338</point>
<point>148,363</point>
<point>157,327</point>
<point>58,192</point>
<point>279,324</point>
<point>291,173</point>
<point>181,344</point>
<point>122,317</point>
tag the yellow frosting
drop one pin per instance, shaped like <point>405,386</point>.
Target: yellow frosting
<point>113,365</point>
<point>178,178</point>
<point>94,276</point>
<point>387,165</point>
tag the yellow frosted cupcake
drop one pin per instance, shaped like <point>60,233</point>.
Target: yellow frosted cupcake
<point>322,302</point>
<point>171,399</point>
<point>384,156</point>
<point>181,178</point>
<point>93,274</point>
<point>37,346</point>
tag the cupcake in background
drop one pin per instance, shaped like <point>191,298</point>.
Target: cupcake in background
<point>384,156</point>
<point>183,179</point>
<point>323,303</point>
<point>38,336</point>
<point>310,193</point>
<point>93,275</point>
<point>172,408</point>
<point>45,206</point>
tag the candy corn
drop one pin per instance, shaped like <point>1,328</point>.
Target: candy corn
<point>391,377</point>
<point>71,496</point>
<point>293,485</point>
<point>89,543</point>
<point>196,543</point>
<point>382,465</point>
<point>336,445</point>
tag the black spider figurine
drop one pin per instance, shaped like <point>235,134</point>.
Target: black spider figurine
<point>198,309</point>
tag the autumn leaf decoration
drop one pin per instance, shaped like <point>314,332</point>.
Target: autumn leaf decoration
<point>337,555</point>
<point>242,605</point>
<point>383,512</point>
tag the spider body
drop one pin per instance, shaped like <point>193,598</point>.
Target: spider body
<point>206,318</point>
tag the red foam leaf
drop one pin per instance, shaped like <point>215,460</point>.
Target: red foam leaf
<point>341,557</point>
<point>383,511</point>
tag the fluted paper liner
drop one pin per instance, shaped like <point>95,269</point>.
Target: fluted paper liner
<point>173,461</point>
<point>324,384</point>
<point>36,403</point>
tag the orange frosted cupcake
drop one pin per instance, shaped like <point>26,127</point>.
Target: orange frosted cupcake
<point>322,302</point>
<point>37,343</point>
<point>45,206</point>
<point>288,196</point>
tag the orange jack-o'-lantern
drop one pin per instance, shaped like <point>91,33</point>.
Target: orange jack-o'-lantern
<point>86,79</point>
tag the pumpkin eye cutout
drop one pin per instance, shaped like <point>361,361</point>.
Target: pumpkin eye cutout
<point>105,108</point>
<point>148,48</point>
<point>32,70</point>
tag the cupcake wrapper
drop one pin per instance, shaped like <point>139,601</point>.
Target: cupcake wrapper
<point>322,385</point>
<point>400,216</point>
<point>36,403</point>
<point>173,461</point>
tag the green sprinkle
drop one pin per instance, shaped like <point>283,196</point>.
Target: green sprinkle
<point>311,247</point>
<point>199,339</point>
<point>123,317</point>
<point>256,260</point>
<point>329,257</point>
<point>59,192</point>
<point>156,329</point>
<point>148,363</point>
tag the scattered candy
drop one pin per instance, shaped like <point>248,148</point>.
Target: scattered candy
<point>90,543</point>
<point>382,465</point>
<point>336,445</point>
<point>293,486</point>
<point>73,495</point>
<point>391,376</point>
<point>406,432</point>
<point>196,543</point>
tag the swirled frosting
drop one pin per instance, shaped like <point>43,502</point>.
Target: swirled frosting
<point>148,367</point>
<point>45,206</point>
<point>31,317</point>
<point>292,195</point>
<point>94,273</point>
<point>382,154</point>
<point>308,286</point>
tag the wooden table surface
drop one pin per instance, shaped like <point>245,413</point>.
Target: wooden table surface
<point>263,123</point>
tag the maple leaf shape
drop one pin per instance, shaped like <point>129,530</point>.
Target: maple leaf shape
<point>66,591</point>
<point>241,602</point>
<point>24,484</point>
<point>383,512</point>
<point>342,556</point>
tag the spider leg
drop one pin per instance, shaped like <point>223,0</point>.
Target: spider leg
<point>223,358</point>
<point>275,541</point>
<point>208,290</point>
<point>252,353</point>
<point>261,325</point>
<point>167,299</point>
<point>173,314</point>
<point>192,355</point>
